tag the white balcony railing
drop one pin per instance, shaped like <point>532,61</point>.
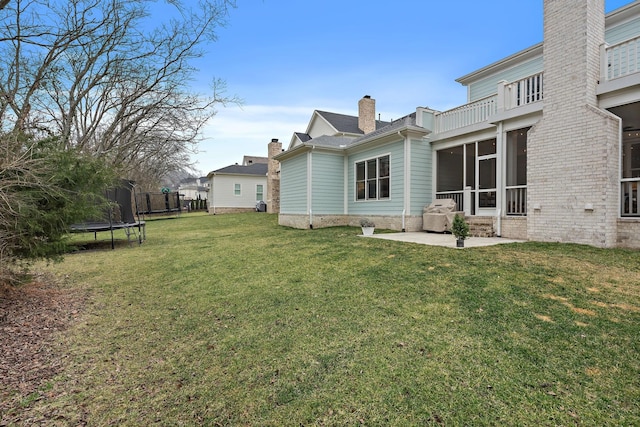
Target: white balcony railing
<point>516,198</point>
<point>457,196</point>
<point>630,199</point>
<point>510,95</point>
<point>466,115</point>
<point>523,92</point>
<point>621,59</point>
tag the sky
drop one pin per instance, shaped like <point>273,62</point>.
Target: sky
<point>286,58</point>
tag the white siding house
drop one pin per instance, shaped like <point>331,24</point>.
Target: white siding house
<point>237,188</point>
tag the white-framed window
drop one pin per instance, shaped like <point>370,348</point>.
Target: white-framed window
<point>237,189</point>
<point>372,178</point>
<point>259,193</point>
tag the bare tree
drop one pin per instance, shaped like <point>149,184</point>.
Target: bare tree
<point>110,78</point>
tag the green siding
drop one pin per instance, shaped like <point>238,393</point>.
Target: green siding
<point>327,193</point>
<point>421,168</point>
<point>489,85</point>
<point>395,203</point>
<point>293,185</point>
<point>623,32</point>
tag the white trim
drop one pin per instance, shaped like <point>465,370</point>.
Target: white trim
<point>345,177</point>
<point>499,169</point>
<point>407,175</point>
<point>309,182</point>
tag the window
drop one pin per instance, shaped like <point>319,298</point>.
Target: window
<point>372,179</point>
<point>236,189</point>
<point>259,193</point>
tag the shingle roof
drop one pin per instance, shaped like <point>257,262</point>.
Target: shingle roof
<point>331,141</point>
<point>254,169</point>
<point>409,119</point>
<point>346,141</point>
<point>304,137</point>
<point>347,124</point>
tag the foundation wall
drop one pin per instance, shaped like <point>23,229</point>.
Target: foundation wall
<point>629,233</point>
<point>514,227</point>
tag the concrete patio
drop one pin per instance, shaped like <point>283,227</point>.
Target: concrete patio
<point>441,239</point>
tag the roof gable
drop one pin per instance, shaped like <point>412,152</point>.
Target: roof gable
<point>253,169</point>
<point>328,123</point>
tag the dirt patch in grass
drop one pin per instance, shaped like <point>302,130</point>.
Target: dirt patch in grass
<point>544,318</point>
<point>30,317</point>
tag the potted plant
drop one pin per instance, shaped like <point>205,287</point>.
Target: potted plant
<point>367,226</point>
<point>460,229</point>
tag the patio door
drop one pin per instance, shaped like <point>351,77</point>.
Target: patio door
<point>486,188</point>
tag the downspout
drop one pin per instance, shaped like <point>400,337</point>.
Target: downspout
<point>309,184</point>
<point>502,168</point>
<point>407,178</point>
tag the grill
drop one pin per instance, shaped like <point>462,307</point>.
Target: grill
<point>438,216</point>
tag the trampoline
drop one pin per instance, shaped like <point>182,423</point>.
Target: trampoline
<point>158,203</point>
<point>120,215</point>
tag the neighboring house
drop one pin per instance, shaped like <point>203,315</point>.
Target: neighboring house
<point>194,188</point>
<point>558,161</point>
<point>237,188</point>
<point>249,160</point>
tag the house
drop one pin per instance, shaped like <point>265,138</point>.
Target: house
<point>547,147</point>
<point>194,188</point>
<point>237,188</point>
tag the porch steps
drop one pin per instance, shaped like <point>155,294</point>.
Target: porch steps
<point>480,226</point>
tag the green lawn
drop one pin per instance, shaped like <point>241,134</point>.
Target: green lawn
<point>233,320</point>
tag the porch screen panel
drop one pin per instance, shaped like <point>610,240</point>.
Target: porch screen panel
<point>517,157</point>
<point>471,165</point>
<point>631,155</point>
<point>450,169</point>
<point>516,178</point>
<point>631,173</point>
<point>487,181</point>
<point>487,147</point>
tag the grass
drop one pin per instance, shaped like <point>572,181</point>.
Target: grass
<point>233,320</point>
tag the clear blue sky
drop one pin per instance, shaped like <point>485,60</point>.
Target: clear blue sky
<point>286,58</point>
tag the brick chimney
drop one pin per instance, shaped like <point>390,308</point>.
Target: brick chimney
<point>572,152</point>
<point>273,177</point>
<point>367,114</point>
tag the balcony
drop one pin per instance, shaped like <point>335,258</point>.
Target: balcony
<point>620,68</point>
<point>620,60</point>
<point>466,115</point>
<point>523,92</point>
